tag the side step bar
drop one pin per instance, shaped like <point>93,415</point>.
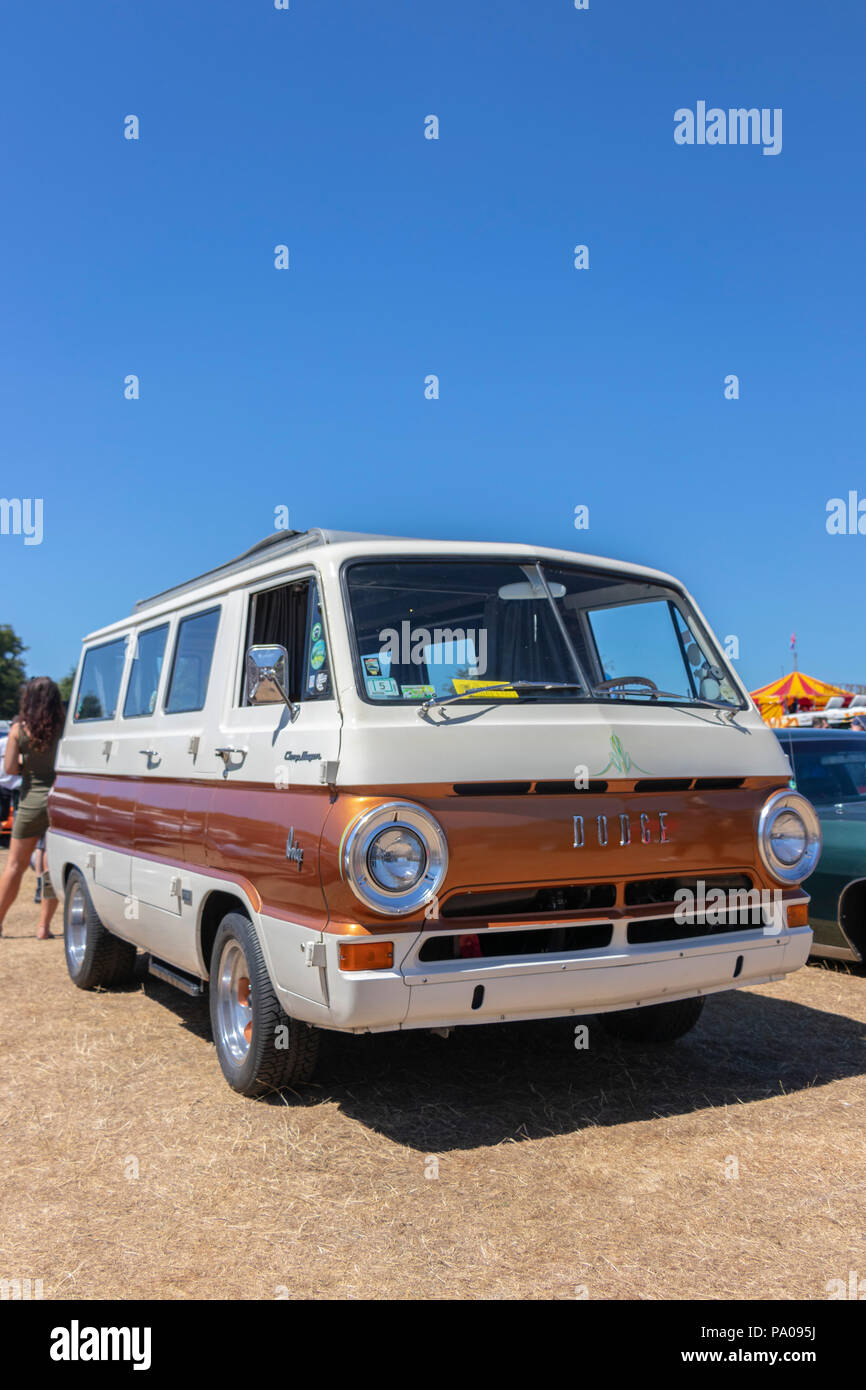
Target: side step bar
<point>172,976</point>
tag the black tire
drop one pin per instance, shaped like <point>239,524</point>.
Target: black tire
<point>271,1050</point>
<point>95,958</point>
<point>657,1023</point>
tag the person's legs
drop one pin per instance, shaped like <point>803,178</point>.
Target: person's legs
<point>49,907</point>
<point>39,869</point>
<point>49,903</point>
<point>16,865</point>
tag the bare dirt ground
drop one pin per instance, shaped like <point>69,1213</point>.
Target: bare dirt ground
<point>730,1165</point>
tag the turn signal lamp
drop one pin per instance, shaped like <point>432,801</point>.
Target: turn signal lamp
<point>366,955</point>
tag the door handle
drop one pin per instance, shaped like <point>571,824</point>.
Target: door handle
<point>226,753</point>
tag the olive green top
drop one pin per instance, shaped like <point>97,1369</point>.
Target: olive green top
<point>37,764</point>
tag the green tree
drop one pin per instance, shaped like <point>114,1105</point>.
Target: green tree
<point>12,671</point>
<point>65,685</point>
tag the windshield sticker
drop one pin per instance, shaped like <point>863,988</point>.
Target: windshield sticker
<point>507,691</point>
<point>381,685</point>
<point>376,663</point>
<point>418,692</point>
<point>317,679</point>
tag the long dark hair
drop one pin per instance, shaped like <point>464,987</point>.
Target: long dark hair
<point>42,711</point>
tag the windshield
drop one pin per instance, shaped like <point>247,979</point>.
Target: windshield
<point>426,629</point>
<point>831,771</point>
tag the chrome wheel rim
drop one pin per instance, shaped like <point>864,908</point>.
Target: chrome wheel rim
<point>76,927</point>
<point>234,1013</point>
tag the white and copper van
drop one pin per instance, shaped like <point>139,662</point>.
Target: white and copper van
<point>365,783</point>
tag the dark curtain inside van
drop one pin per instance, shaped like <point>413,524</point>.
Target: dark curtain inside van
<point>523,642</point>
<point>281,617</point>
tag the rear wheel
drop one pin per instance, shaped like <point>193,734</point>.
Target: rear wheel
<point>658,1023</point>
<point>259,1047</point>
<point>95,958</point>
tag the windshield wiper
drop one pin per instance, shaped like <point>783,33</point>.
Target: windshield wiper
<point>697,702</point>
<point>651,695</point>
<point>502,685</point>
<point>656,694</point>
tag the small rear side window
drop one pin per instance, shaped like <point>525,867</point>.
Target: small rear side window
<point>99,685</point>
<point>193,653</point>
<point>145,673</point>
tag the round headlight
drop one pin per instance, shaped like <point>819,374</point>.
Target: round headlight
<point>394,858</point>
<point>789,837</point>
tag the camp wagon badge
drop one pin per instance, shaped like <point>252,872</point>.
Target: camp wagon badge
<point>294,851</point>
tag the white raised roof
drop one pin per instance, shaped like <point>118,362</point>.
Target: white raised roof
<point>265,556</point>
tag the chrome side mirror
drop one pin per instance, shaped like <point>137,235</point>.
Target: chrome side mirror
<point>266,677</point>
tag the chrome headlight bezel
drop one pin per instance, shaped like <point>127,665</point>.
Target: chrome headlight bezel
<point>355,848</point>
<point>777,804</point>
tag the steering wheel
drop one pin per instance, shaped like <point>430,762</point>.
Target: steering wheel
<point>626,680</point>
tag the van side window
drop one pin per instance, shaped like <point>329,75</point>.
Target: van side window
<point>193,653</point>
<point>290,616</point>
<point>317,665</point>
<point>99,685</point>
<point>145,673</point>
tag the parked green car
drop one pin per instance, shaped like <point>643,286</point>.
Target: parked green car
<point>830,769</point>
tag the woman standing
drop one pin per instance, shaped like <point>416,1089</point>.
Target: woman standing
<point>31,750</point>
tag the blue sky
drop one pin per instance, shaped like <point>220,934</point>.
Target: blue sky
<point>408,256</point>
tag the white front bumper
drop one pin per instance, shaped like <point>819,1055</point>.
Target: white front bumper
<point>445,994</point>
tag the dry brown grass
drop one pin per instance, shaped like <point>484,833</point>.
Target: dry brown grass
<point>557,1168</point>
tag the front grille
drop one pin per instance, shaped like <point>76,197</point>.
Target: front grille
<point>532,902</point>
<point>646,892</point>
<point>669,929</point>
<point>540,941</point>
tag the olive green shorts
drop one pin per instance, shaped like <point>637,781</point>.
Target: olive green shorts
<point>31,822</point>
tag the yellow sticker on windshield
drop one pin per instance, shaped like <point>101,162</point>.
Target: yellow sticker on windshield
<point>502,691</point>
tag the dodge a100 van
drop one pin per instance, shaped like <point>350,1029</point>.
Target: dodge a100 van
<point>366,783</point>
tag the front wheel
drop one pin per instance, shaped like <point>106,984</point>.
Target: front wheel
<point>657,1023</point>
<point>259,1047</point>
